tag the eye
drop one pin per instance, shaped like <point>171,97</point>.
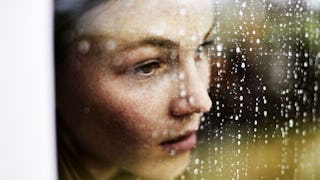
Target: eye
<point>147,68</point>
<point>201,56</point>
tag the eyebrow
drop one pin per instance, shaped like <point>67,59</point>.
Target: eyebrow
<point>163,43</point>
<point>154,41</point>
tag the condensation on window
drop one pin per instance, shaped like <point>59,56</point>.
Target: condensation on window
<point>264,122</point>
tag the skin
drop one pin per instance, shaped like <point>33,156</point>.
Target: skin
<point>133,80</point>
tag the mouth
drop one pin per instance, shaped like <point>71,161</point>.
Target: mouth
<point>181,143</point>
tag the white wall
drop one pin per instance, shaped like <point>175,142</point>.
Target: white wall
<point>27,147</point>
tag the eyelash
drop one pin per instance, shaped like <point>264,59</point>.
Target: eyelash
<point>150,65</point>
<point>155,65</point>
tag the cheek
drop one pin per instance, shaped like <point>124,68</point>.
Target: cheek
<point>137,109</point>
<point>121,115</point>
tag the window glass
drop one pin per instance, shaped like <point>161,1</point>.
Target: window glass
<point>188,89</point>
<point>264,122</point>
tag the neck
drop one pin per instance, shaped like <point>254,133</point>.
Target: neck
<point>100,171</point>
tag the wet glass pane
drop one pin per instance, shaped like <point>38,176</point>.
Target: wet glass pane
<point>264,123</point>
<point>188,89</point>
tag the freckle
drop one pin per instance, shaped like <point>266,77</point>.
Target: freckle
<point>83,46</point>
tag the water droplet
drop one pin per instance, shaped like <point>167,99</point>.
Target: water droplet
<point>110,45</point>
<point>183,11</point>
<point>191,100</point>
<point>195,171</point>
<point>182,32</point>
<point>196,161</point>
<point>238,50</point>
<point>183,93</point>
<point>291,123</point>
<point>173,55</point>
<point>194,38</point>
<point>219,47</point>
<point>172,152</point>
<point>265,113</point>
<point>240,13</point>
<point>83,46</point>
<point>182,76</point>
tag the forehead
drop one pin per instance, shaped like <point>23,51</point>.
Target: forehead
<point>181,20</point>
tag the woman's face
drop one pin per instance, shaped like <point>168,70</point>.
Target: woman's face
<point>136,78</point>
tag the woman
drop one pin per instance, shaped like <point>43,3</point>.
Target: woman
<point>132,80</point>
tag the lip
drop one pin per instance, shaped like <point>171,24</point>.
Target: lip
<point>181,143</point>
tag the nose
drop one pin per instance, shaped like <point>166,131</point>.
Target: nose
<point>193,96</point>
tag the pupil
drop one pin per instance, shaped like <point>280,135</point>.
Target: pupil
<point>147,69</point>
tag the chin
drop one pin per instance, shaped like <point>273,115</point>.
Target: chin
<point>168,168</point>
